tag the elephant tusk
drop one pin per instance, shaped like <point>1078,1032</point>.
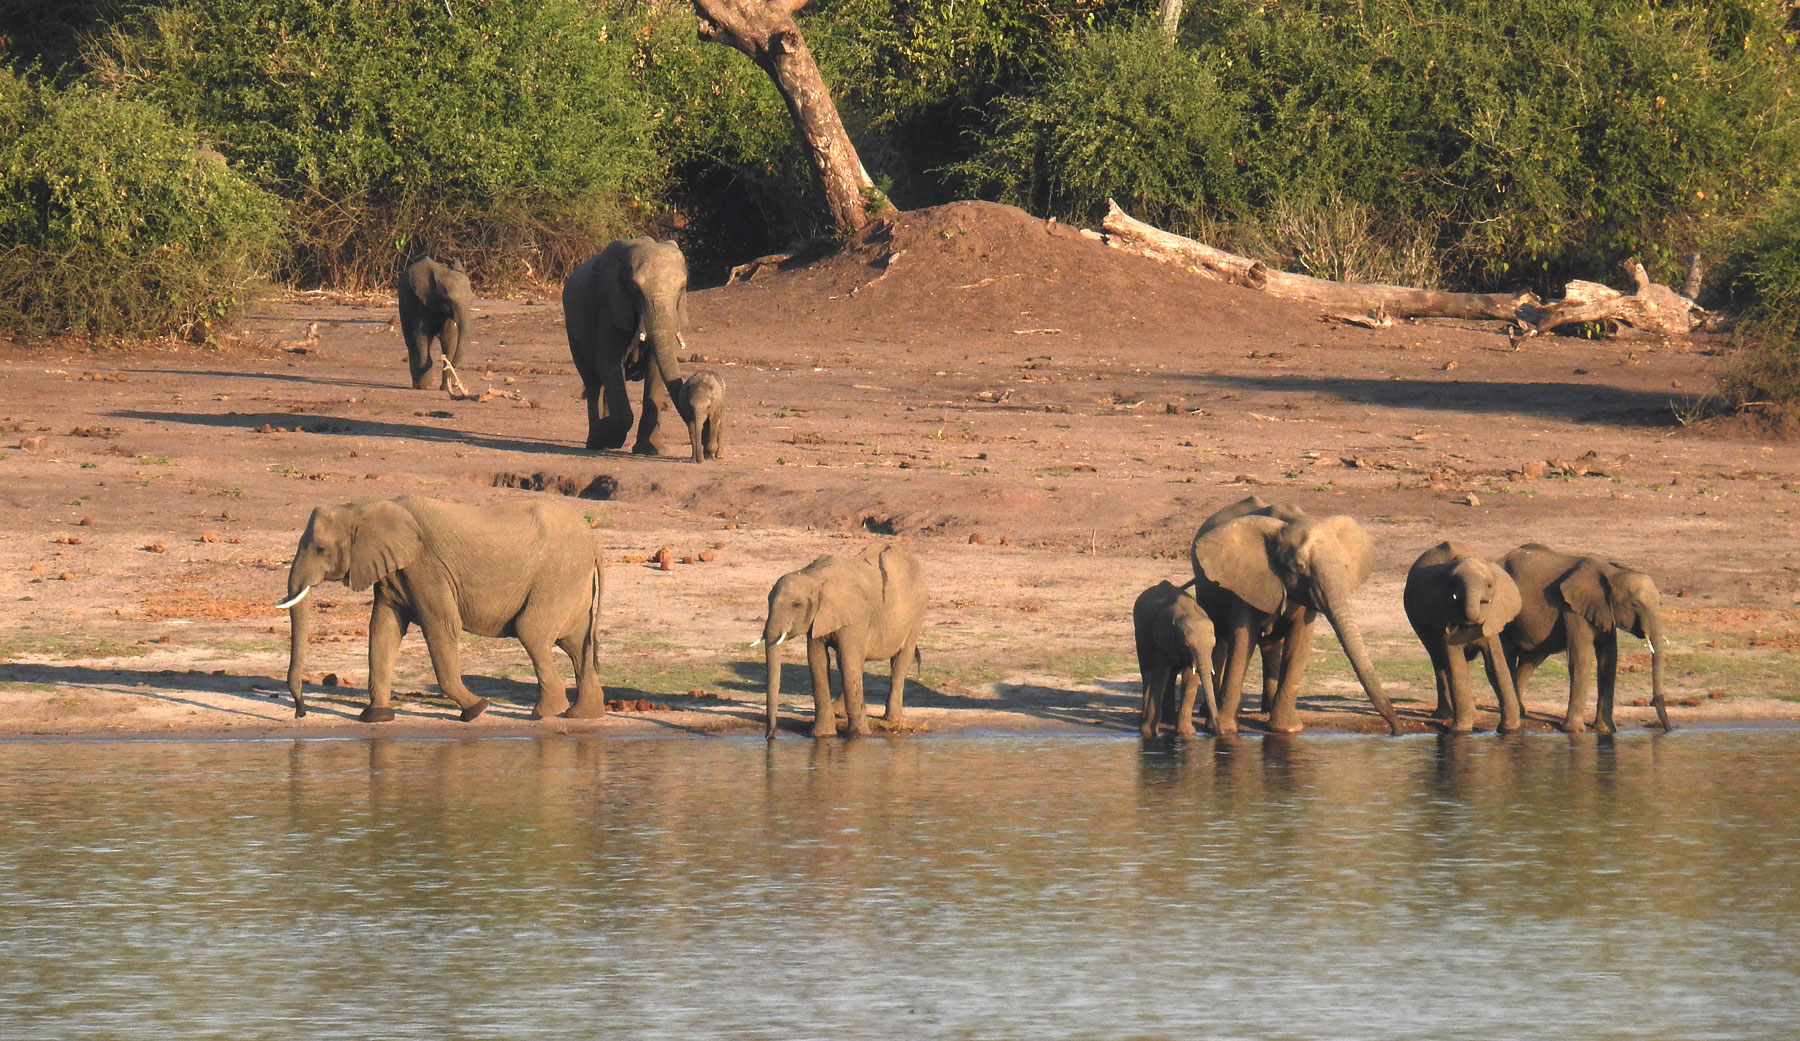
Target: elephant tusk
<point>1648,642</point>
<point>782,640</point>
<point>753,644</point>
<point>296,598</point>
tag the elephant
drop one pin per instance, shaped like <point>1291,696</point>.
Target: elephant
<point>1217,602</point>
<point>1578,604</point>
<point>434,304</point>
<point>530,570</point>
<point>1174,639</point>
<point>1273,578</point>
<point>1458,603</point>
<point>702,405</point>
<point>624,308</point>
<point>868,606</point>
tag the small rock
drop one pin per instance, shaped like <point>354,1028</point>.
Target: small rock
<point>85,522</point>
<point>156,547</point>
<point>67,576</point>
<point>1449,366</point>
<point>36,568</point>
<point>330,680</point>
<point>1535,469</point>
<point>706,556</point>
<point>1716,694</point>
<point>33,444</point>
<point>1470,500</point>
<point>1004,541</point>
<point>665,559</point>
<point>978,539</point>
<point>207,536</point>
<point>687,559</point>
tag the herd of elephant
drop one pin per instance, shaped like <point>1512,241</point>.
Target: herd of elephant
<point>1263,573</point>
<point>623,309</point>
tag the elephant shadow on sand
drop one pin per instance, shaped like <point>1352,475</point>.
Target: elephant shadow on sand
<point>1587,402</point>
<point>319,424</point>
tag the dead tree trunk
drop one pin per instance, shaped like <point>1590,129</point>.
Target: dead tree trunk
<point>765,31</point>
<point>1357,298</point>
<point>1650,306</point>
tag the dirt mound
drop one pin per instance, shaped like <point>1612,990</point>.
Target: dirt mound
<point>982,267</point>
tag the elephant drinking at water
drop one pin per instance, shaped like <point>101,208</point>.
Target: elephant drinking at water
<point>1458,602</point>
<point>527,570</point>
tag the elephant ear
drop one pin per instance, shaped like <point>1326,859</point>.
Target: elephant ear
<point>1587,589</point>
<point>1341,537</point>
<point>386,538</point>
<point>841,599</point>
<point>1235,556</point>
<point>1506,602</point>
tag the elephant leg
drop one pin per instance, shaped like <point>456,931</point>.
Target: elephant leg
<point>1462,698</point>
<point>450,339</point>
<point>895,711</point>
<point>850,668</point>
<point>1439,654</point>
<point>715,435</point>
<point>386,627</point>
<point>553,696</point>
<point>1581,673</point>
<point>1500,678</point>
<point>609,411</point>
<point>1190,689</point>
<point>1237,643</point>
<point>418,352</point>
<point>1284,718</point>
<point>824,719</point>
<point>1271,672</point>
<point>1606,668</point>
<point>443,638</point>
<point>697,438</point>
<point>590,696</point>
<point>1155,676</point>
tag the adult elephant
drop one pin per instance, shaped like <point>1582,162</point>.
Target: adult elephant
<point>623,309</point>
<point>871,606</point>
<point>434,304</point>
<point>1217,602</point>
<point>530,570</point>
<point>1457,603</point>
<point>1578,604</point>
<point>1274,578</point>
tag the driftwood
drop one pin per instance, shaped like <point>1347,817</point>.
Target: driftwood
<point>1649,307</point>
<point>1134,236</point>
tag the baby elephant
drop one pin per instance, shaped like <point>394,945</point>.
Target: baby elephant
<point>702,405</point>
<point>434,304</point>
<point>1458,603</point>
<point>1174,638</point>
<point>868,606</point>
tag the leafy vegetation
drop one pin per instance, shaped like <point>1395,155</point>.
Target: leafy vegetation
<point>113,221</point>
<point>1765,366</point>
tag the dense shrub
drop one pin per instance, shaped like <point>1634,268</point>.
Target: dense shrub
<point>112,221</point>
<point>505,132</point>
<point>1529,141</point>
<point>1765,366</point>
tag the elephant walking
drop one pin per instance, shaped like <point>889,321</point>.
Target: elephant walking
<point>1578,604</point>
<point>868,606</point>
<point>1270,579</point>
<point>434,304</point>
<point>1174,643</point>
<point>624,308</point>
<point>1458,603</point>
<point>530,570</point>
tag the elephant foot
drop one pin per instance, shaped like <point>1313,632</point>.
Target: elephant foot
<point>384,714</point>
<point>1286,726</point>
<point>1574,727</point>
<point>646,448</point>
<point>1146,732</point>
<point>823,732</point>
<point>586,708</point>
<point>546,709</point>
<point>1186,731</point>
<point>477,708</point>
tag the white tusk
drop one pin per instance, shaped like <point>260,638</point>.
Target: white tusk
<point>1650,644</point>
<point>296,598</point>
<point>781,641</point>
<point>758,642</point>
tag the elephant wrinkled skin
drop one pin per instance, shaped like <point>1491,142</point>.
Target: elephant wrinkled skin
<point>871,606</point>
<point>1458,603</point>
<point>1578,604</point>
<point>702,406</point>
<point>623,309</point>
<point>530,570</point>
<point>434,304</point>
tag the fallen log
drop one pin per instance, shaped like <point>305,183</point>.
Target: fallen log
<point>1650,307</point>
<point>1373,298</point>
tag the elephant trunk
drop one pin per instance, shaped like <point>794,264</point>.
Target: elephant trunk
<point>300,615</point>
<point>1335,595</point>
<point>772,655</point>
<point>1654,636</point>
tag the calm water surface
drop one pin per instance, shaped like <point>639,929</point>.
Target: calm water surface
<point>970,887</point>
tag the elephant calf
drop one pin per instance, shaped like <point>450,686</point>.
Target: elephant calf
<point>1458,603</point>
<point>868,606</point>
<point>1174,641</point>
<point>702,405</point>
<point>1578,604</point>
<point>434,304</point>
<point>531,570</point>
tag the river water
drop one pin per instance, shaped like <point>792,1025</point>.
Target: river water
<point>970,887</point>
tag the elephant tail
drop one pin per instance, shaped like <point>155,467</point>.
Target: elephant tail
<point>590,652</point>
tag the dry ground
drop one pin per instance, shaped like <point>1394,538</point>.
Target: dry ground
<point>1043,420</point>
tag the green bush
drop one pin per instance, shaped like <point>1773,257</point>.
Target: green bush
<point>1765,366</point>
<point>1526,142</point>
<point>504,132</point>
<point>114,222</point>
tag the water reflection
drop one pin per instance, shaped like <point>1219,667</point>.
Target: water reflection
<point>1432,887</point>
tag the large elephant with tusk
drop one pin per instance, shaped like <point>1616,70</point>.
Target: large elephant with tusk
<point>871,606</point>
<point>530,570</point>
